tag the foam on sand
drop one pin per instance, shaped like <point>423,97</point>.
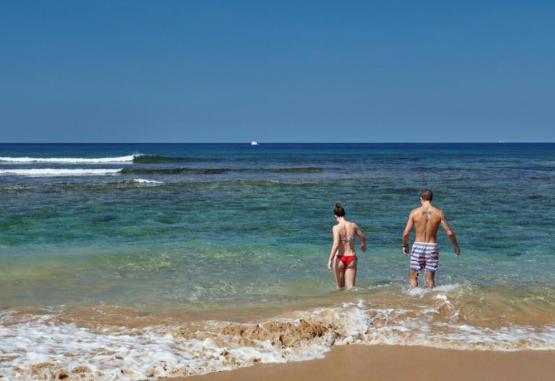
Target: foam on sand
<point>59,172</point>
<point>43,349</point>
<point>69,160</point>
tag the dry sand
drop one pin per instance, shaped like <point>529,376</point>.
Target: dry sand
<point>393,363</point>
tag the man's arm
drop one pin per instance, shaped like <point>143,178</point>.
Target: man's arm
<point>361,236</point>
<point>406,234</point>
<point>450,233</point>
<point>334,247</point>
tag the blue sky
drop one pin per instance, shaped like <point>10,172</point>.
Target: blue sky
<point>280,71</point>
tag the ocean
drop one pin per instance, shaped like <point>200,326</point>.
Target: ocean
<point>139,261</point>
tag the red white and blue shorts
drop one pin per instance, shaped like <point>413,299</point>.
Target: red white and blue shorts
<point>424,256</point>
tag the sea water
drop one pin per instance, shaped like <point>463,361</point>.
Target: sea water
<point>131,261</point>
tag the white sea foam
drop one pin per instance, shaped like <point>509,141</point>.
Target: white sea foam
<point>131,354</point>
<point>447,288</point>
<point>147,182</point>
<point>37,349</point>
<point>416,331</point>
<point>69,160</point>
<point>57,172</point>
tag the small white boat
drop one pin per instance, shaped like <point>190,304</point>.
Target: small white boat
<point>254,143</point>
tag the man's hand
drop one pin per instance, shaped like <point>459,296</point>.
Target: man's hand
<point>406,250</point>
<point>363,246</point>
<point>457,250</point>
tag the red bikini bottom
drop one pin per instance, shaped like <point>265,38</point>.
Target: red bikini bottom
<point>347,259</point>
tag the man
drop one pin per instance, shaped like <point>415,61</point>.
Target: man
<point>426,220</point>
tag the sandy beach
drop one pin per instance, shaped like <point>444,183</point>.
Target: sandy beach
<point>392,363</point>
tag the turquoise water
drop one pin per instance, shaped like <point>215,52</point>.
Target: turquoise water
<point>226,226</point>
<point>252,224</point>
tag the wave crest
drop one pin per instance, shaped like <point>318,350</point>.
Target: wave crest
<point>156,159</point>
<point>69,160</point>
<point>147,182</point>
<point>59,172</point>
<point>217,171</point>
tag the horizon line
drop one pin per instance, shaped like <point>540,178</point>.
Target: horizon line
<point>297,142</point>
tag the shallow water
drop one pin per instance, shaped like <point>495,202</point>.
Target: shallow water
<point>181,233</point>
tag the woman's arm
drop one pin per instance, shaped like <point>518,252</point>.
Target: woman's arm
<point>334,247</point>
<point>362,238</point>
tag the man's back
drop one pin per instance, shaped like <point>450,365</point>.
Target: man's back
<point>427,220</point>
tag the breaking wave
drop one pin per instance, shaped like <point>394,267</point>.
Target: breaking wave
<point>137,158</point>
<point>147,182</point>
<point>59,172</point>
<point>158,159</point>
<point>70,160</point>
<point>217,171</point>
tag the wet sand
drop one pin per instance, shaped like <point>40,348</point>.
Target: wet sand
<point>395,363</point>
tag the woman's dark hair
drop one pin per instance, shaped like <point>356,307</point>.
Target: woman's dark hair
<point>339,211</point>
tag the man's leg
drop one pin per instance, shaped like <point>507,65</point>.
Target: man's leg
<point>432,263</point>
<point>417,264</point>
<point>413,278</point>
<point>430,279</point>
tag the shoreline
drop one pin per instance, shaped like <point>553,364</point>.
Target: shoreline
<point>109,341</point>
<point>399,363</point>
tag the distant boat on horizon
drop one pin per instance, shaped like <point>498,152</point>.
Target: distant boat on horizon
<point>254,143</point>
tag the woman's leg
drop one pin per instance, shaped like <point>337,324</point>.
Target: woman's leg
<point>339,274</point>
<point>350,275</point>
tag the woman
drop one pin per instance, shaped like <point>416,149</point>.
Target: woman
<point>343,256</point>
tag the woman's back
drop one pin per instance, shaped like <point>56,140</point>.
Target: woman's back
<point>347,233</point>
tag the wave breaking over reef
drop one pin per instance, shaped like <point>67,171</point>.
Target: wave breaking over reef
<point>59,172</point>
<point>47,348</point>
<point>137,158</point>
<point>159,159</point>
<point>147,182</point>
<point>218,171</point>
<point>68,160</point>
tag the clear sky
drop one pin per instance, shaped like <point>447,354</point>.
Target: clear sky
<point>279,71</point>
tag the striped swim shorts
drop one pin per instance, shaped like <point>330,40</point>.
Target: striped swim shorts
<point>424,256</point>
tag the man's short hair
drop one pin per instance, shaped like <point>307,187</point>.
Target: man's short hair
<point>426,195</point>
